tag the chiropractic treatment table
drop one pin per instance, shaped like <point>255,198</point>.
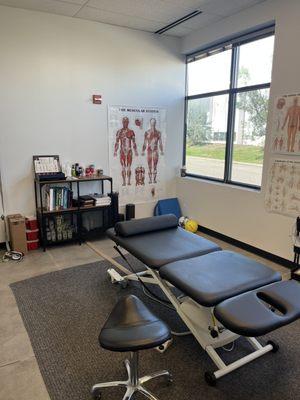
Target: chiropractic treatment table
<point>223,294</point>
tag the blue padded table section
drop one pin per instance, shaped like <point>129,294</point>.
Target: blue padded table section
<point>157,241</point>
<point>217,276</point>
<point>158,248</point>
<point>249,314</point>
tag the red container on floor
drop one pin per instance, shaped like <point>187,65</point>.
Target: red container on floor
<point>31,223</point>
<point>32,234</point>
<point>33,244</point>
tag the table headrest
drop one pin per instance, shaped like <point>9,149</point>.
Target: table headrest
<point>146,225</point>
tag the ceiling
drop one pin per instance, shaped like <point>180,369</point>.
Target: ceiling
<point>144,15</point>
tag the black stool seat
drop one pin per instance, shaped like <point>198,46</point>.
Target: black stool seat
<point>131,326</point>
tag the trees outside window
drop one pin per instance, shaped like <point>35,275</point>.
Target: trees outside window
<point>226,109</point>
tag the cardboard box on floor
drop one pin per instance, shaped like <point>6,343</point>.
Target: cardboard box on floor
<point>17,232</point>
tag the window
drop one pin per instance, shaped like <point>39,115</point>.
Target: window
<point>226,109</point>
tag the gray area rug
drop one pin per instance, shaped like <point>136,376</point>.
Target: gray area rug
<point>63,313</point>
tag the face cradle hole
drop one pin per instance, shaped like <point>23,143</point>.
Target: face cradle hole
<point>271,304</point>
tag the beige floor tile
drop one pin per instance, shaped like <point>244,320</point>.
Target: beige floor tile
<point>22,380</point>
<point>14,341</point>
<point>104,243</point>
<point>106,246</point>
<point>71,255</point>
<point>34,263</point>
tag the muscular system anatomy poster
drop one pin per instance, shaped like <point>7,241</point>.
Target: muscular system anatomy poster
<point>283,190</point>
<point>137,140</point>
<point>286,125</point>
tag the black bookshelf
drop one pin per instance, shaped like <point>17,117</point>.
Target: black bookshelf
<point>76,223</point>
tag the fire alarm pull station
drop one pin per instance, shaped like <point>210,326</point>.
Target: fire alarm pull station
<point>97,99</point>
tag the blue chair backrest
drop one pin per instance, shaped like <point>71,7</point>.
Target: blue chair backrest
<point>168,206</point>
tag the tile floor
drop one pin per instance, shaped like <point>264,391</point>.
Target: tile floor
<point>20,377</point>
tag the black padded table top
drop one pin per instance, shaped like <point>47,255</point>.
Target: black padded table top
<point>249,314</point>
<point>158,248</point>
<point>217,276</point>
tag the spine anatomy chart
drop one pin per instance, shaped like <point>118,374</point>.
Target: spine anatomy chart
<point>137,139</point>
<point>282,194</point>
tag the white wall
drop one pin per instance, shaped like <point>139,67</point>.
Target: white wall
<point>238,212</point>
<point>50,66</point>
<point>2,227</point>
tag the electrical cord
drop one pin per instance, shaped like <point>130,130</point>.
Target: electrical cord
<point>230,348</point>
<point>150,294</point>
<point>169,307</point>
<point>162,301</point>
<point>12,256</point>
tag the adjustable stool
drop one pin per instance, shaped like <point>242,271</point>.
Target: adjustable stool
<point>131,327</point>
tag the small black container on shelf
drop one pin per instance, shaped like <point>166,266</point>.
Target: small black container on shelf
<point>63,218</point>
<point>129,211</point>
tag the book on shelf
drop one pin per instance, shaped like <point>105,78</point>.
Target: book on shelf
<point>57,198</point>
<point>92,200</point>
<point>84,201</point>
<point>101,199</point>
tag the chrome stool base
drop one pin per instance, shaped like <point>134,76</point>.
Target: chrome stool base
<point>134,383</point>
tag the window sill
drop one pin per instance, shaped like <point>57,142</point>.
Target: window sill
<point>238,186</point>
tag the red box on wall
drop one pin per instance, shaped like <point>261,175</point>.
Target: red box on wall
<point>97,99</point>
<point>33,244</point>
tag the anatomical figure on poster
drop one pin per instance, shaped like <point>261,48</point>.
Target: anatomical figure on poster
<point>282,194</point>
<point>286,125</point>
<point>137,137</point>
